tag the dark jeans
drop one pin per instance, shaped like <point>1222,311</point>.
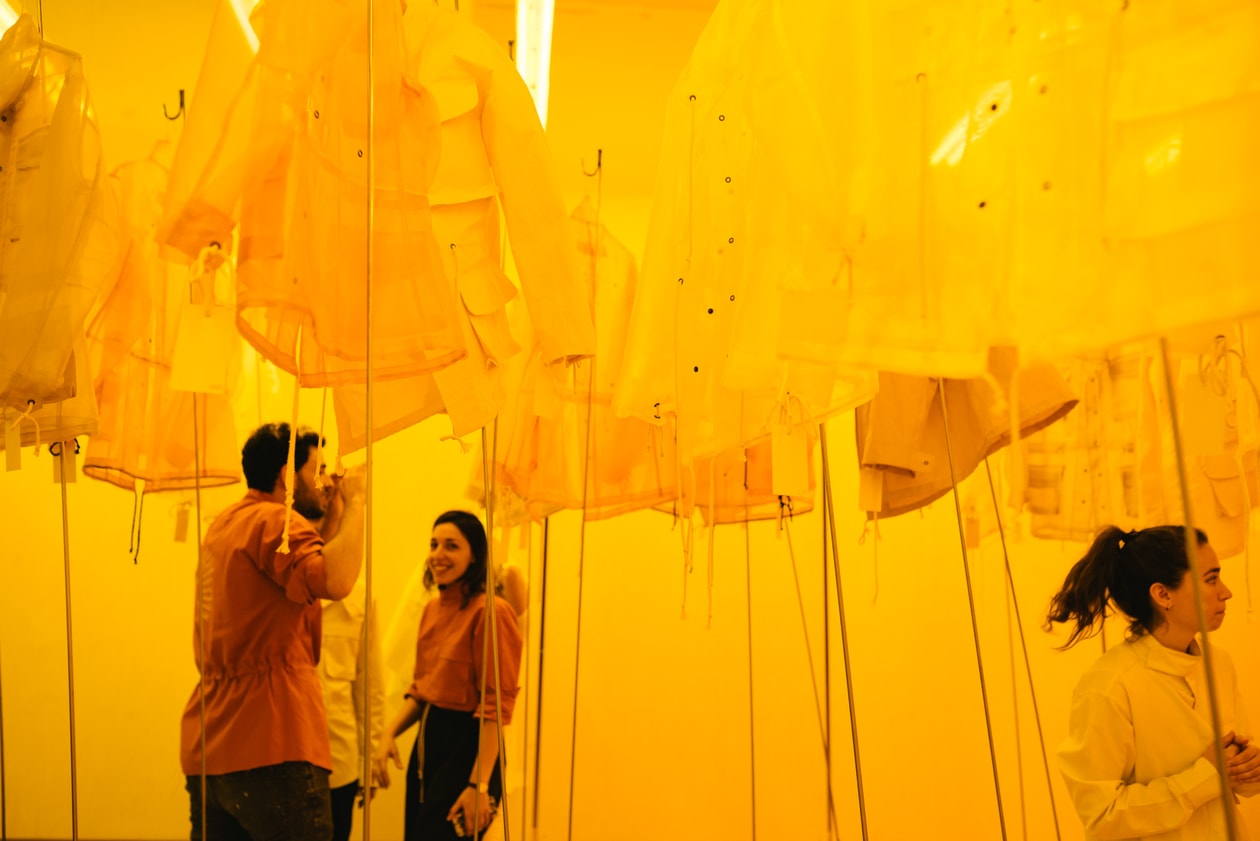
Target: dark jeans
<point>285,802</point>
<point>343,810</point>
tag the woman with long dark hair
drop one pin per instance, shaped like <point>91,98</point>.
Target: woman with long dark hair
<point>1140,760</point>
<point>454,782</point>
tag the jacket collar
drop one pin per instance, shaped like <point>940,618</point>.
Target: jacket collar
<point>19,50</point>
<point>1161,658</point>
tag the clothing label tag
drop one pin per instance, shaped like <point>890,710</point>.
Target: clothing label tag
<point>203,350</point>
<point>1202,412</point>
<point>789,461</point>
<point>871,489</point>
<point>12,443</point>
<point>181,524</point>
<point>65,466</point>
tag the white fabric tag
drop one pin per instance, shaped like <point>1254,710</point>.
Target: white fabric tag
<point>65,465</point>
<point>789,461</point>
<point>203,350</point>
<point>1202,412</point>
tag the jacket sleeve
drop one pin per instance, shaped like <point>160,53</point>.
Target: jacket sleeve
<point>537,222</point>
<point>1099,755</point>
<point>300,572</point>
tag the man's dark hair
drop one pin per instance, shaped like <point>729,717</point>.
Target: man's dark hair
<point>267,451</point>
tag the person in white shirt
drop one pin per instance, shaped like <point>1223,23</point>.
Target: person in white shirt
<point>1140,760</point>
<point>342,676</point>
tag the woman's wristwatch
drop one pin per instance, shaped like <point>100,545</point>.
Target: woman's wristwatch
<point>482,788</point>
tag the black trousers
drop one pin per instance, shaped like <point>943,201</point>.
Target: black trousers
<point>285,802</point>
<point>450,749</point>
<point>343,810</point>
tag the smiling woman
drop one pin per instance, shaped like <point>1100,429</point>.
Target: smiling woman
<point>460,693</point>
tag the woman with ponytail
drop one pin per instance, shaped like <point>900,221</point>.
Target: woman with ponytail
<point>1140,760</point>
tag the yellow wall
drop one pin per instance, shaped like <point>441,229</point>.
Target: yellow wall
<point>663,724</point>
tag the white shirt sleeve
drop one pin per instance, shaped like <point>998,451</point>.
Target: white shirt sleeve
<point>1099,756</point>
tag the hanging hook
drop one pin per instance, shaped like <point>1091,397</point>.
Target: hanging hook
<point>511,49</point>
<point>178,113</point>
<point>599,164</point>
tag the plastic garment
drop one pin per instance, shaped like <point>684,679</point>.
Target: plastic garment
<point>1218,418</point>
<point>738,486</point>
<point>279,142</point>
<point>716,332</point>
<point>549,416</point>
<point>903,451</point>
<point>1069,166</point>
<point>494,157</point>
<point>1158,237</point>
<point>146,427</point>
<point>1083,473</point>
<point>1114,460</point>
<point>58,233</point>
<point>1036,174</point>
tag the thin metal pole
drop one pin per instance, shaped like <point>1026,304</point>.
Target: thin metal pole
<point>201,617</point>
<point>492,617</point>
<point>809,655</point>
<point>752,718</point>
<point>971,604</point>
<point>1192,549</point>
<point>65,543</point>
<point>487,617</point>
<point>369,267</point>
<point>542,650</point>
<point>1023,644</point>
<point>4,813</point>
<point>526,673</point>
<point>826,646</point>
<point>586,485</point>
<point>829,500</point>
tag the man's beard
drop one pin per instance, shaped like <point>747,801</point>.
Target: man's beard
<point>308,502</point>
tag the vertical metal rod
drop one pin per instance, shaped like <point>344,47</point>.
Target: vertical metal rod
<point>752,718</point>
<point>826,646</point>
<point>201,619</point>
<point>577,656</point>
<point>65,543</point>
<point>487,617</point>
<point>4,805</point>
<point>369,470</point>
<point>1019,739</point>
<point>542,650</point>
<point>971,604</point>
<point>488,482</point>
<point>526,673</point>
<point>586,486</point>
<point>1192,550</point>
<point>829,498</point>
<point>1023,644</point>
<point>809,656</point>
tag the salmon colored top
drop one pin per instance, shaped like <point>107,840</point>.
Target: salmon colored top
<point>450,653</point>
<point>261,612</point>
